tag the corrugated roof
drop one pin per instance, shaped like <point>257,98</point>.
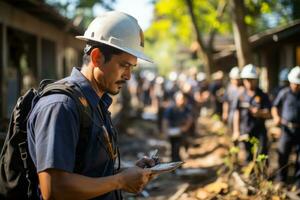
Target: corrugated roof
<point>269,36</point>
<point>275,34</point>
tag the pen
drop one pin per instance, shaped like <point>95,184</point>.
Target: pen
<point>153,155</point>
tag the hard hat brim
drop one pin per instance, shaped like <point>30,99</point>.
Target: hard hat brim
<point>293,80</point>
<point>249,77</point>
<point>137,54</point>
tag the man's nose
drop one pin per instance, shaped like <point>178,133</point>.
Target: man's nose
<point>127,74</point>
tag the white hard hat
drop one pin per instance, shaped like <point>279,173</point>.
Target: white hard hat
<point>217,75</point>
<point>294,75</point>
<point>283,75</point>
<point>201,76</point>
<point>249,72</point>
<point>118,30</point>
<point>173,76</point>
<point>234,73</point>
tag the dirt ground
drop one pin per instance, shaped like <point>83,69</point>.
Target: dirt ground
<point>203,175</point>
<point>202,159</point>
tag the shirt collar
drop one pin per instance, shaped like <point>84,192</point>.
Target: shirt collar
<point>106,101</point>
<point>79,79</point>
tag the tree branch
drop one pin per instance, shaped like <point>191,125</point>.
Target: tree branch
<point>220,11</point>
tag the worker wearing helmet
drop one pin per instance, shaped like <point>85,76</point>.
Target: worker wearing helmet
<point>114,41</point>
<point>283,82</point>
<point>252,107</point>
<point>286,113</point>
<point>231,95</point>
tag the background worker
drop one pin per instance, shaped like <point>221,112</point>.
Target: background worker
<point>176,124</point>
<point>286,113</point>
<point>252,108</point>
<point>231,94</point>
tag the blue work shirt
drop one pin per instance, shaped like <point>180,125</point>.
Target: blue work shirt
<point>231,94</point>
<point>177,117</point>
<point>244,102</point>
<point>53,132</point>
<point>289,104</point>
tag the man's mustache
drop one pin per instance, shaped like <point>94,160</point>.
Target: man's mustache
<point>120,82</point>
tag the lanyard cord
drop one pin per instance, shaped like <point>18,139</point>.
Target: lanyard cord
<point>112,142</point>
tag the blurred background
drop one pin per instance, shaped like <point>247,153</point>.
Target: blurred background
<point>190,41</point>
<point>37,38</point>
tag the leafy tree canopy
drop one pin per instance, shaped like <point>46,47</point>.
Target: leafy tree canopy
<point>172,29</point>
<point>81,11</point>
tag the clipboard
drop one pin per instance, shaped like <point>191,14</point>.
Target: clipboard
<point>165,167</point>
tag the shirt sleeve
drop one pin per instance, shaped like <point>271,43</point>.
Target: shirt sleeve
<point>278,100</point>
<point>56,128</point>
<point>225,97</point>
<point>236,103</point>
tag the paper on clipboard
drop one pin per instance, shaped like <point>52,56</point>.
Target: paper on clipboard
<point>165,167</point>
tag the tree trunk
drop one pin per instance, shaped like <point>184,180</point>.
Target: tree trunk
<point>242,45</point>
<point>205,52</point>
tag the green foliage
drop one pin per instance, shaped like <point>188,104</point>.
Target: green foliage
<point>265,14</point>
<point>172,30</point>
<point>172,25</point>
<point>82,9</point>
<point>231,159</point>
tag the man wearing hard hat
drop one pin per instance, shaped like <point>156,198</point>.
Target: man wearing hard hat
<point>252,107</point>
<point>114,42</point>
<point>288,103</point>
<point>232,92</point>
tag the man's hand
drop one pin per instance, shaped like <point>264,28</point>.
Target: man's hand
<point>134,179</point>
<point>235,136</point>
<point>146,162</point>
<point>254,111</point>
<point>277,121</point>
<point>225,117</point>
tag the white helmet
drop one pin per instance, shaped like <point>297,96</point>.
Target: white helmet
<point>234,73</point>
<point>283,75</point>
<point>118,30</point>
<point>249,72</point>
<point>294,75</point>
<point>201,76</point>
<point>217,75</point>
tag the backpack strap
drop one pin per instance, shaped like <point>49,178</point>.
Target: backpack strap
<point>85,113</point>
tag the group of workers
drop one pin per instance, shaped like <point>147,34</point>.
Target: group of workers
<point>245,107</point>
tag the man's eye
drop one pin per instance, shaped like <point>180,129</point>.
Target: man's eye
<point>127,66</point>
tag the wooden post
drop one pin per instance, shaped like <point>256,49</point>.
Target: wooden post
<point>4,63</point>
<point>39,57</point>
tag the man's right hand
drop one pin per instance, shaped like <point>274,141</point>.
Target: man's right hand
<point>134,179</point>
<point>225,117</point>
<point>235,136</point>
<point>277,121</point>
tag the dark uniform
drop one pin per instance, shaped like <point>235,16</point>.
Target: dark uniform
<point>176,117</point>
<point>289,104</point>
<point>251,125</point>
<point>215,89</point>
<point>53,130</point>
<point>230,96</point>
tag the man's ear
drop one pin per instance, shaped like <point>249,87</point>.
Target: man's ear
<point>97,57</point>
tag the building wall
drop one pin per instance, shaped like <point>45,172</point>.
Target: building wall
<point>43,45</point>
<point>275,56</point>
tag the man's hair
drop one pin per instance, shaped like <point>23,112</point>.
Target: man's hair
<point>106,50</point>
